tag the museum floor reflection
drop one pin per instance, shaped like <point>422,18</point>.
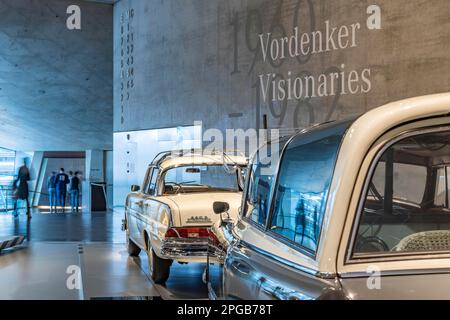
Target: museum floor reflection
<point>38,269</point>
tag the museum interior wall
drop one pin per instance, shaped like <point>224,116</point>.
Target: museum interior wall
<point>241,64</point>
<point>226,63</point>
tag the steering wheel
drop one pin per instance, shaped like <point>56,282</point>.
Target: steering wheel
<point>175,184</point>
<point>371,244</point>
<point>179,185</point>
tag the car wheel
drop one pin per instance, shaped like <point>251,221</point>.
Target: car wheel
<point>158,268</point>
<point>133,249</point>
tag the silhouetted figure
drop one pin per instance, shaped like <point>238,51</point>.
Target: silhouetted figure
<point>68,186</point>
<point>51,186</point>
<point>74,192</point>
<point>22,190</point>
<point>62,180</point>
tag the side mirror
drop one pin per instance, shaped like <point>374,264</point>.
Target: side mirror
<point>220,207</point>
<point>135,188</point>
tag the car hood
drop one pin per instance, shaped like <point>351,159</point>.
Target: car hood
<point>196,209</point>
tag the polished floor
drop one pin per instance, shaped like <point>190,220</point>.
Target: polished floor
<point>83,256</point>
<point>95,227</point>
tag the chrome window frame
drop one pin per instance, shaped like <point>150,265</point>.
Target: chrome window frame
<point>265,228</point>
<point>248,219</point>
<point>400,256</point>
<point>155,192</point>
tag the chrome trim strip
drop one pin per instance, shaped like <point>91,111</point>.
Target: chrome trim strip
<point>268,255</point>
<point>387,273</point>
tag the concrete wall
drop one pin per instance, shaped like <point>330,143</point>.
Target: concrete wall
<point>178,61</point>
<point>55,83</point>
<point>134,151</point>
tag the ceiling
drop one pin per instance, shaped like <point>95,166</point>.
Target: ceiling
<point>55,83</point>
<point>103,1</point>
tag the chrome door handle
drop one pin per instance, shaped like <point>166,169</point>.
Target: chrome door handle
<point>279,293</point>
<point>240,267</point>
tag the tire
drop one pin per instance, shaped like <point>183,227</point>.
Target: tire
<point>159,269</point>
<point>133,249</point>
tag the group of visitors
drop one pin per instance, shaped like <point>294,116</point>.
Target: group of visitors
<point>59,184</point>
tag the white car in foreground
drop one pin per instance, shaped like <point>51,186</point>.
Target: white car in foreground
<point>170,215</point>
<point>354,209</point>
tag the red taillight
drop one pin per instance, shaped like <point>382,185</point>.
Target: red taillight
<point>171,233</point>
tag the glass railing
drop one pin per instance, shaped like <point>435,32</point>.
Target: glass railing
<point>7,176</point>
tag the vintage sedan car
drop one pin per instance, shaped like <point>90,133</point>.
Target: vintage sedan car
<point>170,216</point>
<point>355,209</point>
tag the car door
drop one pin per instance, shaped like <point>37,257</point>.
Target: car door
<point>275,254</point>
<point>137,209</point>
<point>147,205</point>
<point>265,269</point>
<point>396,242</point>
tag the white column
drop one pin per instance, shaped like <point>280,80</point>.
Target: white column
<point>94,173</point>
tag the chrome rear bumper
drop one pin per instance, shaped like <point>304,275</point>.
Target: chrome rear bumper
<point>184,247</point>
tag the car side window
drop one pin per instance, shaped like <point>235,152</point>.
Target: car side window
<point>258,193</point>
<point>147,178</point>
<point>406,206</point>
<point>301,192</point>
<point>152,182</point>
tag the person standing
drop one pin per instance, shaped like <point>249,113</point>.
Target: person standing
<point>68,186</point>
<point>51,185</point>
<point>74,192</point>
<point>62,180</point>
<point>22,190</point>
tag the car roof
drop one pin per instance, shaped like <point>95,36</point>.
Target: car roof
<point>201,159</point>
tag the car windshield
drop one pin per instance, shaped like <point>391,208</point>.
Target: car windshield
<point>213,178</point>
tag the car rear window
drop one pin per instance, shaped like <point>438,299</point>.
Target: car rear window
<point>303,184</point>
